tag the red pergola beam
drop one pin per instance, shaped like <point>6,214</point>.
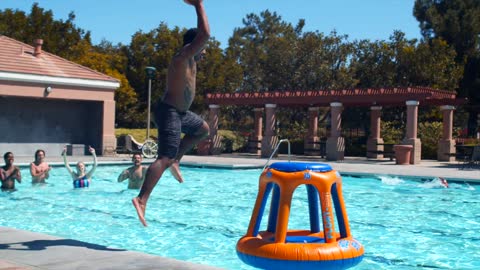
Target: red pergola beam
<point>352,97</point>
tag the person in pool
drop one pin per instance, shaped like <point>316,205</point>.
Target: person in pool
<point>9,173</point>
<point>135,174</point>
<point>39,169</point>
<point>81,178</point>
<point>443,182</point>
<point>172,114</point>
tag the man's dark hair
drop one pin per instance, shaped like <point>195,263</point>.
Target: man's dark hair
<point>189,36</point>
<point>6,155</point>
<point>38,151</point>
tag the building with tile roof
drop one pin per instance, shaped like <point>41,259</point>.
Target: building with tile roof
<point>47,102</point>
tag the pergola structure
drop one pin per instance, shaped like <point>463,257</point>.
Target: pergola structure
<point>267,102</point>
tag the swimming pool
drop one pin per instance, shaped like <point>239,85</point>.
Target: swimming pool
<point>402,224</point>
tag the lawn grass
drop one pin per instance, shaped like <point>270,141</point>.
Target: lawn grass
<point>140,134</point>
<point>232,140</point>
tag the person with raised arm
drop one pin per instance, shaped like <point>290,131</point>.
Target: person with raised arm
<point>81,178</point>
<point>172,115</point>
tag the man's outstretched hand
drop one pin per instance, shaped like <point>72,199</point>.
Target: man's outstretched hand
<point>193,2</point>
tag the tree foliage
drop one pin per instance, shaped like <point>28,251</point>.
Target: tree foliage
<point>59,36</point>
<point>111,60</point>
<point>402,62</point>
<point>276,56</point>
<point>458,23</point>
<point>157,47</point>
<point>267,53</point>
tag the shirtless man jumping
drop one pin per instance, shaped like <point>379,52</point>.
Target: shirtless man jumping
<point>172,114</point>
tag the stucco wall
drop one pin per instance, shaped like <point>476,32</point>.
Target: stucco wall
<point>28,123</point>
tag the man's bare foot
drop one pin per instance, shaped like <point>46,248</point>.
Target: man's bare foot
<point>137,203</point>
<point>175,170</point>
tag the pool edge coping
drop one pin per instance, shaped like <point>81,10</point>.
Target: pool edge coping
<point>210,165</point>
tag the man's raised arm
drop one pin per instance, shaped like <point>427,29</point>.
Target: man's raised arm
<point>203,28</point>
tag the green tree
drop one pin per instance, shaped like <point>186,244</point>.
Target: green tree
<point>110,60</point>
<point>59,36</point>
<point>216,74</point>
<point>372,64</point>
<point>323,62</point>
<point>458,23</point>
<point>277,56</point>
<point>402,62</point>
<point>431,64</point>
<point>157,47</point>
<point>263,47</point>
<point>154,48</point>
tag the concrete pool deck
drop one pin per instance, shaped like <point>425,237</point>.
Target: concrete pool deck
<point>23,250</point>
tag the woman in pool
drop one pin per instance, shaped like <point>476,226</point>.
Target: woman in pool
<point>39,169</point>
<point>80,178</point>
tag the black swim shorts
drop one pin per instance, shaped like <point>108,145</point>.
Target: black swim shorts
<point>171,123</point>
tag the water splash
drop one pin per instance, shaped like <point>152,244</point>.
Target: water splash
<point>391,181</point>
<point>435,183</point>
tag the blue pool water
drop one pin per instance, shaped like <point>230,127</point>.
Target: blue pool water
<point>402,224</point>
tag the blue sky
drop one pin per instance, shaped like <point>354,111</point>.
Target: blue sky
<point>117,20</point>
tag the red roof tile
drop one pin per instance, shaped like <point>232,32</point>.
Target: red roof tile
<point>17,57</point>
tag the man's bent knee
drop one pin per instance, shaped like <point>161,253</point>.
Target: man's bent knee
<point>163,162</point>
<point>203,131</point>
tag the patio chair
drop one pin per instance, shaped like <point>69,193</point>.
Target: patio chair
<point>465,155</point>
<point>121,145</point>
<point>476,155</point>
<point>126,144</point>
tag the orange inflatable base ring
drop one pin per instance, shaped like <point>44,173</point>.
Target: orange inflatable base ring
<point>273,264</point>
<point>302,250</point>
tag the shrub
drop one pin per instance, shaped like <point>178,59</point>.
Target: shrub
<point>392,132</point>
<point>355,146</point>
<point>430,133</point>
<point>232,141</point>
